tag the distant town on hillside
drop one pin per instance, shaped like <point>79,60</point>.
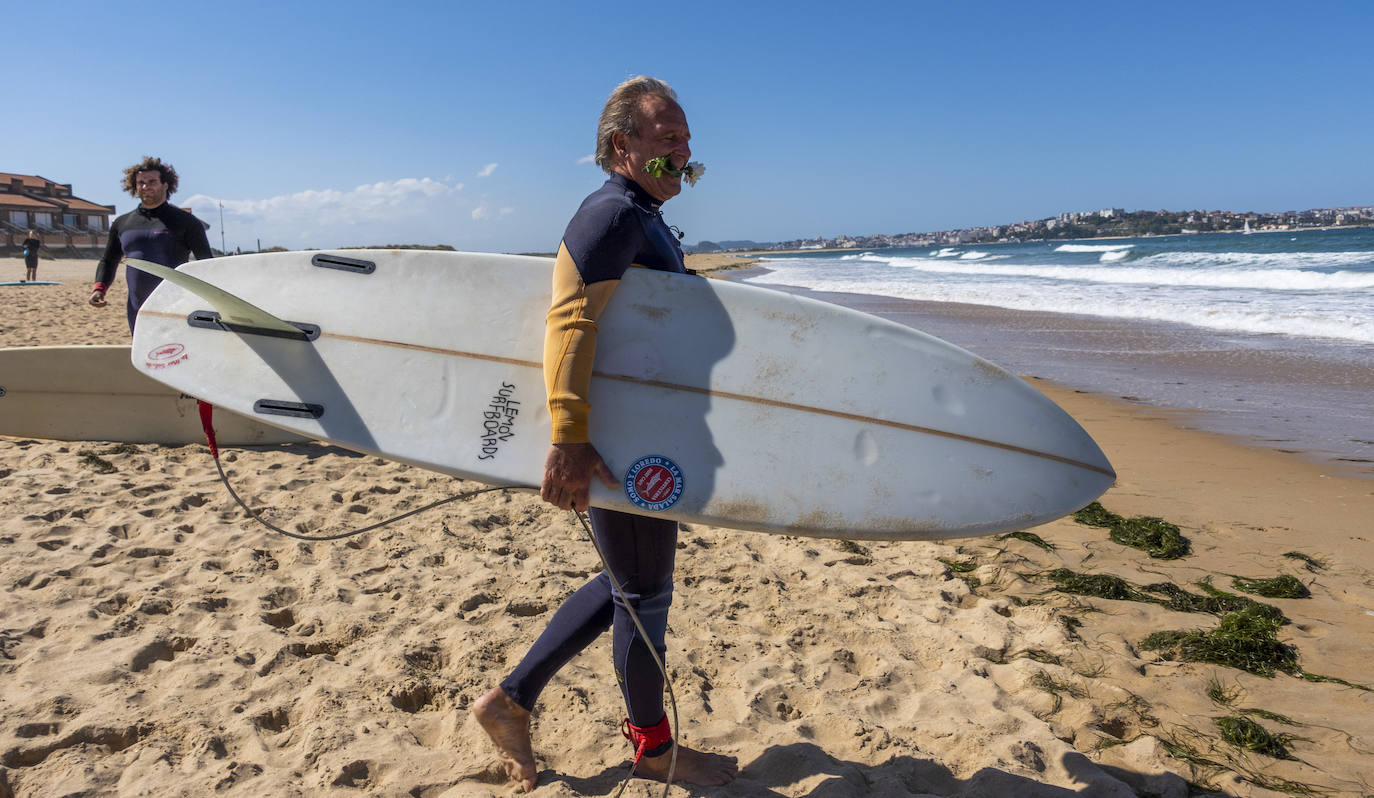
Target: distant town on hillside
<point>1106,223</point>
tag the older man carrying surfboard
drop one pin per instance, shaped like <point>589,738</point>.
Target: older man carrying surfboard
<point>643,143</point>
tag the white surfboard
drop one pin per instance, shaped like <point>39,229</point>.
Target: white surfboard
<point>716,402</point>
<point>93,393</point>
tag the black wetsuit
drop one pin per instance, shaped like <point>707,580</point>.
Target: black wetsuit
<point>165,235</point>
<point>31,246</point>
<point>617,226</point>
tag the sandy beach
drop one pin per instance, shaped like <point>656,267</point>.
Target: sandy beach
<point>154,641</point>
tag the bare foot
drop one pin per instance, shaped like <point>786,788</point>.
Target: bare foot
<point>693,767</point>
<point>508,725</point>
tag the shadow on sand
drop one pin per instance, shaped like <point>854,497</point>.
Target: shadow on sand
<point>805,770</point>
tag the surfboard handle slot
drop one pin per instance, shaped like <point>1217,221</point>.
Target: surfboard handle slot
<point>280,407</point>
<point>344,264</point>
<point>211,320</point>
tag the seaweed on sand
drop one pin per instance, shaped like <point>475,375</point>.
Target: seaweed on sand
<point>959,567</point>
<point>1029,537</point>
<point>1056,689</point>
<point>1221,694</point>
<point>1283,586</point>
<point>1096,515</point>
<point>963,571</point>
<point>1244,733</point>
<point>1155,536</point>
<point>1246,640</point>
<point>1114,587</point>
<point>1317,677</point>
<point>1216,603</point>
<point>1309,562</point>
<point>1097,585</point>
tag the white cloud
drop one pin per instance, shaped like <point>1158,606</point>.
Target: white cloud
<point>483,212</point>
<point>587,159</point>
<point>404,211</point>
<point>487,170</point>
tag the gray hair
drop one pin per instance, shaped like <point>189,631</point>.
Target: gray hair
<point>621,113</point>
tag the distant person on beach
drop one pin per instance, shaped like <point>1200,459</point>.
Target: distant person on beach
<point>31,246</point>
<point>155,231</point>
<point>617,226</point>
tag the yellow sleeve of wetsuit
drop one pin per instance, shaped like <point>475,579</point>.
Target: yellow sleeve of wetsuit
<point>570,347</point>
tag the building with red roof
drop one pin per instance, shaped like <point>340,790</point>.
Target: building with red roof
<point>68,225</point>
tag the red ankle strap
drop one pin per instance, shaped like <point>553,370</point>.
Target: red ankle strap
<point>646,738</point>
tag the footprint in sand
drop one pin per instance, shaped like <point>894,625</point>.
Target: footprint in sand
<point>159,650</point>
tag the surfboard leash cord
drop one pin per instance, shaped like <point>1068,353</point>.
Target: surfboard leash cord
<point>206,419</point>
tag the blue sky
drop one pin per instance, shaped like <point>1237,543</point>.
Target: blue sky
<point>350,123</point>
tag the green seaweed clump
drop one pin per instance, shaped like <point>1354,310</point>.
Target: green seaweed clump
<point>1029,537</point>
<point>1155,536</point>
<point>1309,562</point>
<point>1284,586</point>
<point>1244,733</point>
<point>1096,515</point>
<point>1217,603</point>
<point>1096,585</point>
<point>1246,640</point>
<point>959,567</point>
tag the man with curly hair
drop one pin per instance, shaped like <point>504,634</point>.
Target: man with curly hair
<point>155,231</point>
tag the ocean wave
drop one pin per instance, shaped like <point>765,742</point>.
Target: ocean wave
<point>1275,317</point>
<point>1263,260</point>
<point>1093,247</point>
<point>1141,273</point>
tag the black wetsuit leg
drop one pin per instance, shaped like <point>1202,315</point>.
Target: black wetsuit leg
<point>641,552</point>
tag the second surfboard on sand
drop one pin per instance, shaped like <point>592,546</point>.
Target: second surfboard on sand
<point>93,393</point>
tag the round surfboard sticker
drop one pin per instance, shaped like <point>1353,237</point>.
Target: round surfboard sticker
<point>653,483</point>
<point>166,355</point>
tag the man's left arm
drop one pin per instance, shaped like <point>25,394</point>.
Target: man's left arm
<point>195,239</point>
